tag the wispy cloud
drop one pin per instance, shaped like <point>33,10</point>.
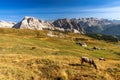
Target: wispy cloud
<point>106,9</point>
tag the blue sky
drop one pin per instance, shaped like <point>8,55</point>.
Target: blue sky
<point>15,10</point>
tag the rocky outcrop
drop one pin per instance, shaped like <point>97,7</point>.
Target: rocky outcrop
<point>33,23</point>
<point>69,25</point>
<point>4,24</point>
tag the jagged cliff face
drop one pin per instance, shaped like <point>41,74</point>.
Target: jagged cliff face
<point>4,24</point>
<point>69,25</point>
<point>33,23</point>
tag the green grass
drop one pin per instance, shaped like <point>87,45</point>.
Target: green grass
<point>53,57</point>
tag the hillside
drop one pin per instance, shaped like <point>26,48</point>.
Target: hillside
<point>34,55</point>
<point>114,30</point>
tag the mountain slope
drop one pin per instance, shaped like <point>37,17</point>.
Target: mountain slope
<point>69,25</point>
<point>113,30</point>
<point>94,25</point>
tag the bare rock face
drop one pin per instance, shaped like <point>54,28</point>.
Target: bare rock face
<point>4,24</point>
<point>33,23</point>
<point>71,25</point>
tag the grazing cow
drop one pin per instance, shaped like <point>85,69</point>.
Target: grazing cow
<point>33,47</point>
<point>87,60</point>
<point>101,59</point>
<point>82,44</point>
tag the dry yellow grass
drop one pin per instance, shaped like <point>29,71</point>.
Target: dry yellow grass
<point>28,67</point>
<point>54,58</point>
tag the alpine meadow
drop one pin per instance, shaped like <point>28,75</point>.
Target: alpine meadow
<point>59,39</point>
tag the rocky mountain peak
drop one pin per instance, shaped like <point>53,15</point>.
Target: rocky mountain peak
<point>33,23</point>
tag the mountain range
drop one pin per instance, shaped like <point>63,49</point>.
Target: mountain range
<point>81,25</point>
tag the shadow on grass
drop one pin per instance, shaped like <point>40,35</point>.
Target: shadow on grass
<point>83,65</point>
<point>75,65</point>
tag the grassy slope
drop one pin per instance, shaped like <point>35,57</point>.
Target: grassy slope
<point>54,58</point>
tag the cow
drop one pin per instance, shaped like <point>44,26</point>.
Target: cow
<point>101,59</point>
<point>88,60</point>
